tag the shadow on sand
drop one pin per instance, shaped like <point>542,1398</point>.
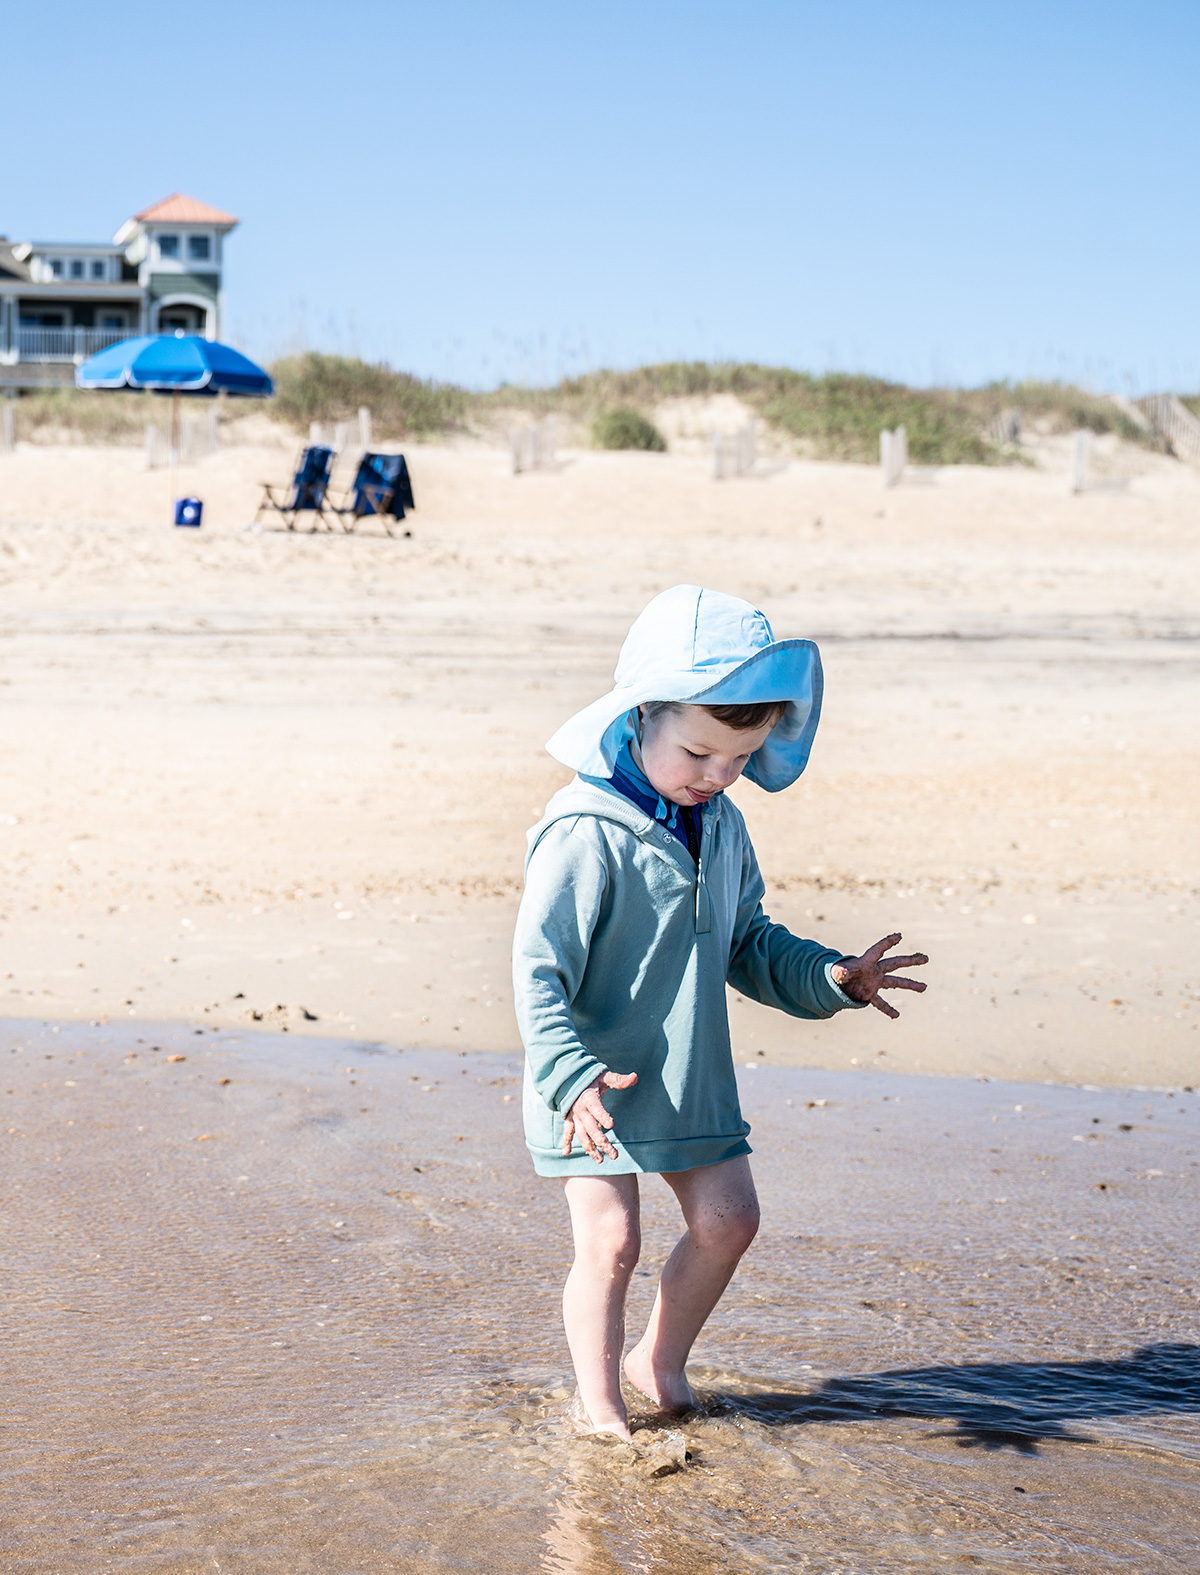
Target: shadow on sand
<point>995,1405</point>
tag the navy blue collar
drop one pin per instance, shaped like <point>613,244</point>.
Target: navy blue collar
<point>633,784</point>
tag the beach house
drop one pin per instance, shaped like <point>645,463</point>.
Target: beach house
<point>60,301</point>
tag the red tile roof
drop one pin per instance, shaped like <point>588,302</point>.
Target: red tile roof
<point>178,209</point>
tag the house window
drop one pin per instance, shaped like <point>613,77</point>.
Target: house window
<point>77,267</point>
<point>168,246</point>
<point>110,320</point>
<point>98,269</point>
<point>56,267</point>
<point>199,248</point>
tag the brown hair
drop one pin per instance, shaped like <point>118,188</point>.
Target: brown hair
<point>741,718</point>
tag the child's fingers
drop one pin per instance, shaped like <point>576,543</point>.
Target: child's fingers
<point>620,1079</point>
<point>590,1125</point>
<point>891,983</point>
<point>568,1135</point>
<point>596,1143</point>
<point>603,1141</point>
<point>917,960</point>
<point>874,953</point>
<point>882,1006</point>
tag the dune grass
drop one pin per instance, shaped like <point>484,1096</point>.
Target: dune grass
<point>832,416</point>
<point>325,388</point>
<point>73,415</point>
<point>838,415</point>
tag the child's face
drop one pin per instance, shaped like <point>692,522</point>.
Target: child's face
<point>688,755</point>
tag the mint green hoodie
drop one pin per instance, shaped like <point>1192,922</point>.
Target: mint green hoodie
<point>621,956</point>
<point>623,945</point>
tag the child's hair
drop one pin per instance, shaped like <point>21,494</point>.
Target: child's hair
<point>741,718</point>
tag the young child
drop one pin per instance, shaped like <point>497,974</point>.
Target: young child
<point>642,899</point>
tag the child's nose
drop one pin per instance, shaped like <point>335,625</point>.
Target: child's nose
<point>722,776</point>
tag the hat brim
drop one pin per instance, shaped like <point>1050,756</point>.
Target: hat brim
<point>787,670</point>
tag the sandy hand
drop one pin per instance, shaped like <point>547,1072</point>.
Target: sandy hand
<point>588,1117</point>
<point>863,977</point>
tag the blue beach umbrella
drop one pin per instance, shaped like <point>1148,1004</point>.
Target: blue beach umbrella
<point>175,364</point>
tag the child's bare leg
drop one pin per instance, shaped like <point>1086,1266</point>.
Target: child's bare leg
<point>607,1232</point>
<point>720,1208</point>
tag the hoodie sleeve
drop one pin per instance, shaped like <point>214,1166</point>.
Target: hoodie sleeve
<point>565,884</point>
<point>770,964</point>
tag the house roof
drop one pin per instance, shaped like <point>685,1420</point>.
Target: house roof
<point>179,209</point>
<point>12,267</point>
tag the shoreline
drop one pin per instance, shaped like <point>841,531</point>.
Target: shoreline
<point>435,976</point>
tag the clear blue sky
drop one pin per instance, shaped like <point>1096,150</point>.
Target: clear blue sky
<point>937,192</point>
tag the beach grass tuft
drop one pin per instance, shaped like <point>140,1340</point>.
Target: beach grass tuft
<point>625,428</point>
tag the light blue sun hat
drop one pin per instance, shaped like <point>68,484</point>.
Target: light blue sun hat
<point>702,647</point>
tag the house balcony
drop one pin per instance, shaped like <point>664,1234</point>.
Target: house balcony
<point>66,345</point>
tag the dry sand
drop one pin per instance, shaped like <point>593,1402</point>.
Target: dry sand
<point>249,777</point>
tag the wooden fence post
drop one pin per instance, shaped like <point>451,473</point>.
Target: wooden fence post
<point>364,427</point>
<point>893,454</point>
<point>1083,451</point>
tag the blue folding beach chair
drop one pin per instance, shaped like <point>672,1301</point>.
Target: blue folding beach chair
<point>381,487</point>
<point>310,485</point>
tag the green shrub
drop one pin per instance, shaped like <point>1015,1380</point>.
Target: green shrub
<point>627,428</point>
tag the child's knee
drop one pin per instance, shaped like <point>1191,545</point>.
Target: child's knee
<point>625,1248</point>
<point>730,1231</point>
<point>613,1245</point>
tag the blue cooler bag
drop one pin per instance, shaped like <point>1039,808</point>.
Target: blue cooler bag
<point>188,511</point>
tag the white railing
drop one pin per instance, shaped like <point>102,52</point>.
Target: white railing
<point>66,344</point>
<point>1174,421</point>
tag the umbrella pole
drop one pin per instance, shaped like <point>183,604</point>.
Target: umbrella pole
<point>174,454</point>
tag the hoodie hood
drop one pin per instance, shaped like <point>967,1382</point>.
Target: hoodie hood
<point>701,647</point>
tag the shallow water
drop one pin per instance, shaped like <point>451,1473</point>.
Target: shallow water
<point>307,1320</point>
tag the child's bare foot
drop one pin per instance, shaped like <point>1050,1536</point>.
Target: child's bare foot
<point>614,1425</point>
<point>668,1391</point>
<point>583,1423</point>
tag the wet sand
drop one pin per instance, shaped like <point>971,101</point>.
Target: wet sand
<point>289,1304</point>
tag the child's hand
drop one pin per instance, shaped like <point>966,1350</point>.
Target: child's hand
<point>589,1117</point>
<point>863,977</point>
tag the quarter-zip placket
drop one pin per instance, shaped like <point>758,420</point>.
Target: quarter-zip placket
<point>703,905</point>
